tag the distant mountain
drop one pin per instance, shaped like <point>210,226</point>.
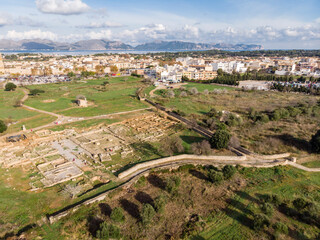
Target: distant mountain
<point>179,46</point>
<point>101,44</point>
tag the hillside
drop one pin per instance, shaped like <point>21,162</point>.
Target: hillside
<point>101,44</point>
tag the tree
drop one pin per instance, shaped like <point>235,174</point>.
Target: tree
<point>267,208</point>
<point>280,227</point>
<point>107,232</point>
<point>114,69</point>
<point>220,139</point>
<point>300,204</point>
<point>147,214</point>
<point>10,87</point>
<point>117,215</point>
<point>201,148</point>
<point>173,145</point>
<point>260,221</point>
<point>315,142</point>
<point>3,126</point>
<point>160,203</point>
<point>35,92</point>
<point>215,176</point>
<point>99,69</point>
<point>71,74</point>
<point>172,184</point>
<point>228,171</point>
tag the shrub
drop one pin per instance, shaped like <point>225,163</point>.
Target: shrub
<point>183,94</point>
<point>160,203</point>
<point>294,111</point>
<point>194,91</point>
<point>213,113</point>
<point>315,142</point>
<point>267,209</point>
<point>300,204</point>
<point>10,87</point>
<point>3,126</point>
<point>215,176</point>
<point>264,118</point>
<point>260,221</point>
<point>228,171</point>
<point>107,232</point>
<point>35,92</point>
<point>173,145</point>
<point>201,148</point>
<point>147,214</point>
<point>280,227</point>
<point>172,184</point>
<point>117,215</point>
<point>170,94</point>
<point>220,139</point>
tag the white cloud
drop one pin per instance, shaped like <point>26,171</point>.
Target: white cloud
<point>102,25</point>
<point>4,21</point>
<point>32,34</point>
<point>291,32</point>
<point>104,34</point>
<point>63,7</point>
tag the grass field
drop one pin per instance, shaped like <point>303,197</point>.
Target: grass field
<point>19,116</point>
<point>117,96</point>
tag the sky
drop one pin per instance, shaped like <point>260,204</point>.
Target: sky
<point>275,24</point>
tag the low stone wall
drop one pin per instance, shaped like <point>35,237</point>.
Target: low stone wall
<point>184,157</point>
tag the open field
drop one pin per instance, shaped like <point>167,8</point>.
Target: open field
<point>117,96</point>
<point>19,116</point>
<point>288,134</point>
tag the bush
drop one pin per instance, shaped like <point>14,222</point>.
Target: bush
<point>107,232</point>
<point>267,209</point>
<point>264,118</point>
<point>183,94</point>
<point>201,148</point>
<point>147,214</point>
<point>35,92</point>
<point>280,227</point>
<point>300,204</point>
<point>172,184</point>
<point>173,145</point>
<point>215,176</point>
<point>3,126</point>
<point>194,91</point>
<point>10,87</point>
<point>220,139</point>
<point>160,203</point>
<point>117,215</point>
<point>315,142</point>
<point>228,171</point>
<point>260,221</point>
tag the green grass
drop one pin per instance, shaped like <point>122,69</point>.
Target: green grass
<point>313,164</point>
<point>201,87</point>
<point>118,96</point>
<point>18,207</point>
<point>7,109</point>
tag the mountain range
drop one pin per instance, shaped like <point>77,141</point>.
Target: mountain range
<point>101,44</point>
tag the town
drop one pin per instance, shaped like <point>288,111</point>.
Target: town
<point>25,69</point>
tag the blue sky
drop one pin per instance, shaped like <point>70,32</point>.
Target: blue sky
<point>280,24</point>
